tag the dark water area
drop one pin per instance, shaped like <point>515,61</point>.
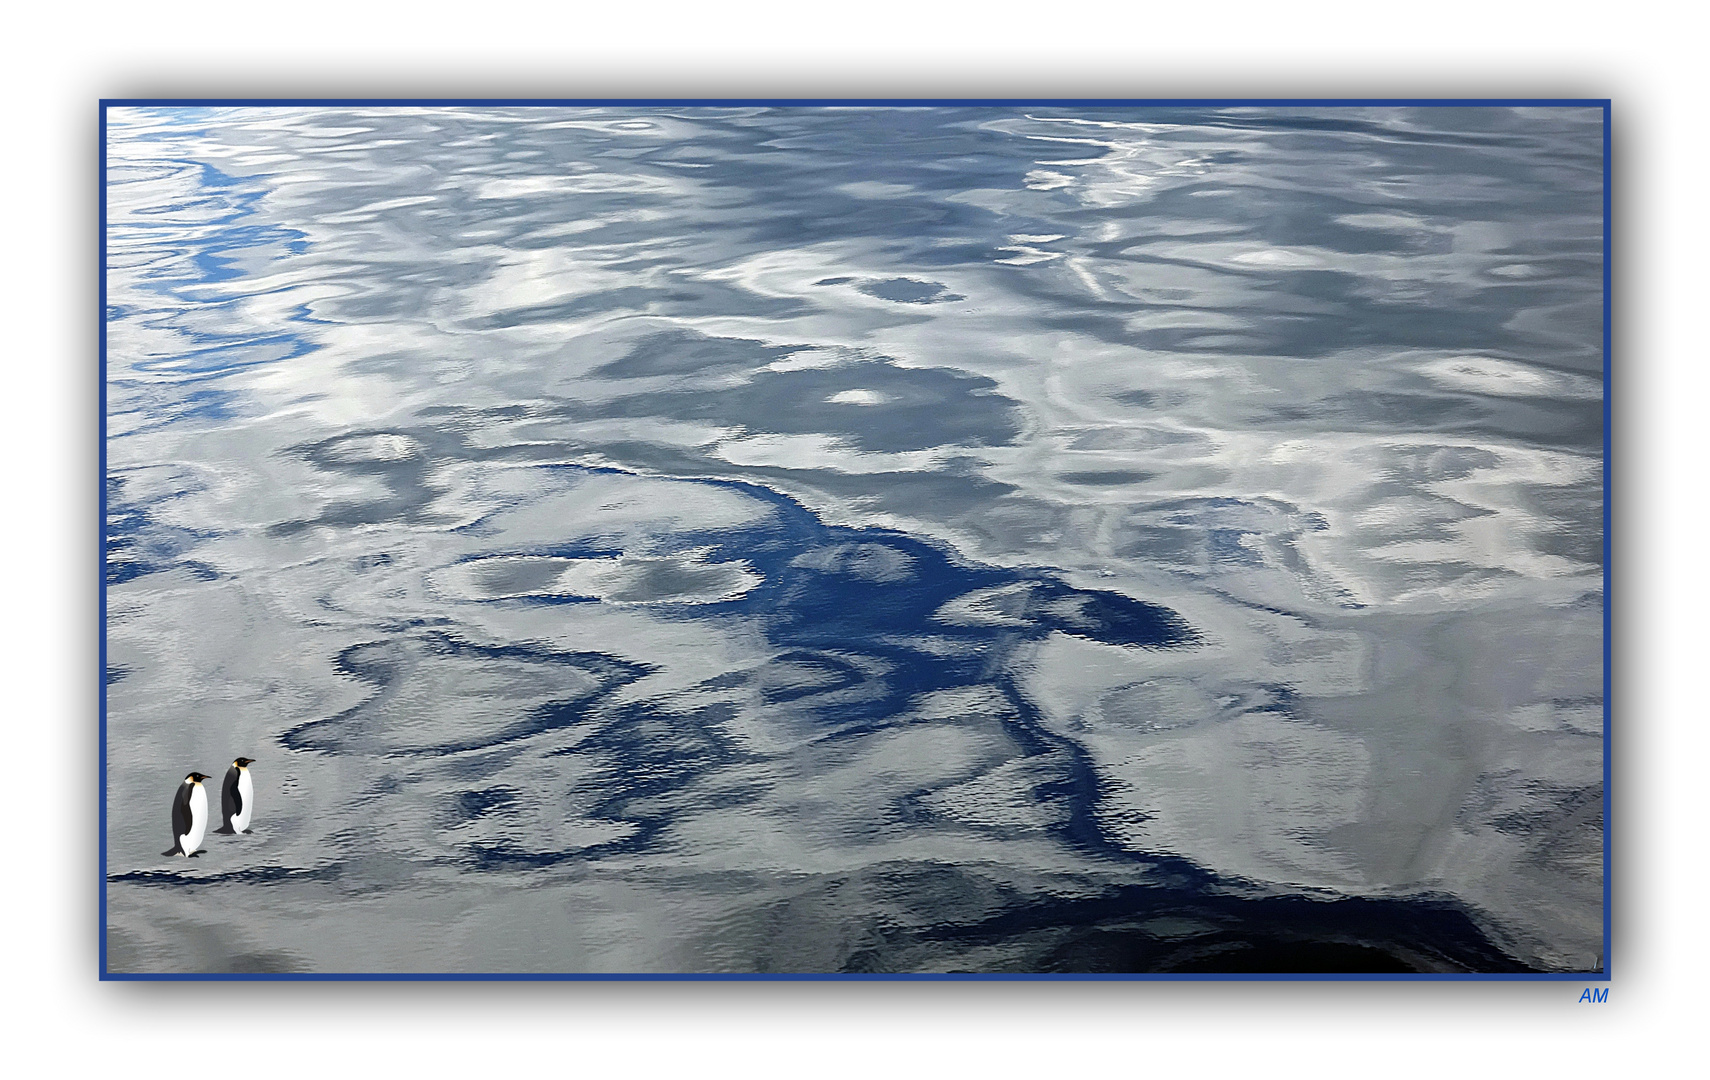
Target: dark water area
<point>868,540</point>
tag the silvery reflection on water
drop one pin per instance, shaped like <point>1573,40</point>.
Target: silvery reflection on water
<point>754,539</point>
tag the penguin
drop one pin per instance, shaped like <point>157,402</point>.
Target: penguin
<point>237,797</point>
<point>189,817</point>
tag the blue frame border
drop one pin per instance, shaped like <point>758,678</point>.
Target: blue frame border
<point>101,542</point>
<point>1605,104</point>
<point>1608,525</point>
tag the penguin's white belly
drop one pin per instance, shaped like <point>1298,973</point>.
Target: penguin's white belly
<point>246,797</point>
<point>191,840</point>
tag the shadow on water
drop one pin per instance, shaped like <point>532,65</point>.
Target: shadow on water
<point>1196,925</point>
<point>886,919</point>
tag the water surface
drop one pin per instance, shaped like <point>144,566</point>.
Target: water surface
<point>867,539</point>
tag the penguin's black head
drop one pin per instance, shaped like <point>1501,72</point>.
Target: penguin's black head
<point>195,778</point>
<point>243,761</point>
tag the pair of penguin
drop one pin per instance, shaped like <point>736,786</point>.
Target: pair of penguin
<point>190,807</point>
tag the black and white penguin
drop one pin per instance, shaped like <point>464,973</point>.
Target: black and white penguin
<point>237,796</point>
<point>189,817</point>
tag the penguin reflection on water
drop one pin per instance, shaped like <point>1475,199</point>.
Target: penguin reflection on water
<point>189,817</point>
<point>237,797</point>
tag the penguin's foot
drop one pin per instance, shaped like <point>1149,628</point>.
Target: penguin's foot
<point>169,852</point>
<point>225,830</point>
<point>198,851</point>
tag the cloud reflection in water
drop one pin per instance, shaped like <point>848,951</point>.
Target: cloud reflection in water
<point>781,539</point>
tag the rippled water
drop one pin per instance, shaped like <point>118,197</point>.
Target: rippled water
<point>814,540</point>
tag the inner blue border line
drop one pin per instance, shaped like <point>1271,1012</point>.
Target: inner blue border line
<point>1166,976</point>
<point>822,102</point>
<point>1608,546</point>
<point>1597,976</point>
<point>101,546</point>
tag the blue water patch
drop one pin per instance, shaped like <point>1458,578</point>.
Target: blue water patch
<point>864,622</point>
<point>136,542</point>
<point>188,263</point>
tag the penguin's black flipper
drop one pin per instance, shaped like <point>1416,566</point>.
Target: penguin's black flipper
<point>180,818</point>
<point>231,799</point>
